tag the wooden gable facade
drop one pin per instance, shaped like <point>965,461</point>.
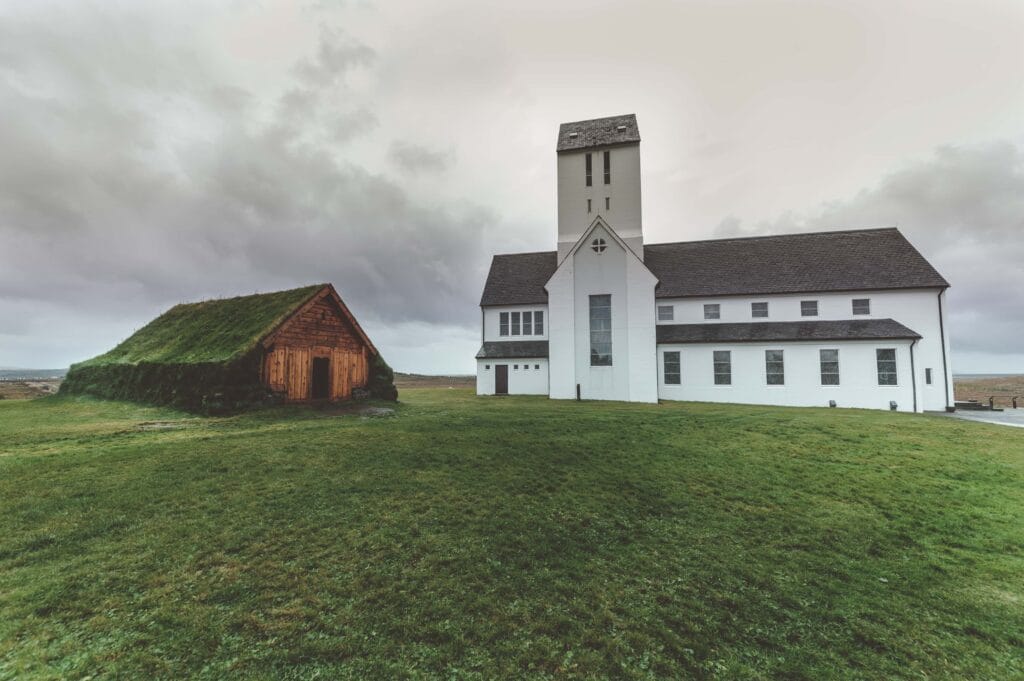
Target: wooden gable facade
<point>318,353</point>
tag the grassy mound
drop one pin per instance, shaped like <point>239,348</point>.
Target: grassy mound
<point>477,538</point>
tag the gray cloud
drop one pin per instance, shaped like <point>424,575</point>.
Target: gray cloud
<point>413,158</point>
<point>964,209</point>
<point>122,196</point>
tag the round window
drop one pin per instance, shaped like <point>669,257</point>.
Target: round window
<point>598,245</point>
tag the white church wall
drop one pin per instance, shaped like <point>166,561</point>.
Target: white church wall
<point>858,377</point>
<point>492,318</point>
<point>525,376</point>
<point>599,274</point>
<point>562,332</point>
<point>917,309</point>
<point>641,330</point>
<point>623,194</point>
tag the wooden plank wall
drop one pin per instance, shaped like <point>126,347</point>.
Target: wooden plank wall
<point>320,331</point>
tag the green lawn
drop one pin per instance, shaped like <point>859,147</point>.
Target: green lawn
<point>485,538</point>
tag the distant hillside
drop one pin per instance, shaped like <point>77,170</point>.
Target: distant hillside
<point>423,381</point>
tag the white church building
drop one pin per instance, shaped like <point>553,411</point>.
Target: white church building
<point>847,318</point>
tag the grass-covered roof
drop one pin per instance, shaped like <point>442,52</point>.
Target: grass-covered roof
<point>209,331</point>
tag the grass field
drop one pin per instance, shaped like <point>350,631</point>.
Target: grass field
<point>476,538</point>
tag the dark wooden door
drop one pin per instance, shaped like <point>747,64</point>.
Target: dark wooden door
<point>501,379</point>
<point>320,386</point>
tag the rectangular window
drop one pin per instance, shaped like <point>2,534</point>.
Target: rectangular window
<point>527,323</point>
<point>538,322</point>
<point>601,331</point>
<point>928,376</point>
<point>886,358</point>
<point>808,308</point>
<point>759,309</point>
<point>515,323</point>
<point>774,368</point>
<point>589,206</point>
<point>672,374</point>
<point>712,311</point>
<point>723,367</point>
<point>536,367</point>
<point>607,167</point>
<point>829,367</point>
<point>666,313</point>
<point>861,306</point>
<point>515,368</point>
<point>487,367</point>
<point>503,324</point>
<point>607,203</point>
<point>590,169</point>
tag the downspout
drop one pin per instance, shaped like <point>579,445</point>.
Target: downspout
<point>942,340</point>
<point>913,373</point>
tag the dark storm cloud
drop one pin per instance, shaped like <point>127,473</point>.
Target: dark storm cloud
<point>964,210</point>
<point>413,158</point>
<point>122,193</point>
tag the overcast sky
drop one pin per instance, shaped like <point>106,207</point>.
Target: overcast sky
<point>153,153</point>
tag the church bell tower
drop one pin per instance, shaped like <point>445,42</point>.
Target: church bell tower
<point>599,176</point>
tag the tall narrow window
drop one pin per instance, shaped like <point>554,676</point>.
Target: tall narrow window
<point>590,169</point>
<point>861,306</point>
<point>672,372</point>
<point>712,311</point>
<point>809,308</point>
<point>538,322</point>
<point>759,309</point>
<point>607,167</point>
<point>607,203</point>
<point>666,313</point>
<point>503,324</point>
<point>829,367</point>
<point>774,367</point>
<point>723,367</point>
<point>527,323</point>
<point>928,376</point>
<point>886,359</point>
<point>515,323</point>
<point>600,331</point>
<point>589,209</point>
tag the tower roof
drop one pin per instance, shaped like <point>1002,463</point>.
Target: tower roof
<point>598,132</point>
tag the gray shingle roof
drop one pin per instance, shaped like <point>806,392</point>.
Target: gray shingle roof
<point>519,278</point>
<point>861,260</point>
<point>754,332</point>
<point>598,132</point>
<point>513,350</point>
<point>790,263</point>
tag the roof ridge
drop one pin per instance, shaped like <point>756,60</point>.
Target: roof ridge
<point>505,255</point>
<point>776,236</point>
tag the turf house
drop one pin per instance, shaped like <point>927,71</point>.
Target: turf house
<point>300,345</point>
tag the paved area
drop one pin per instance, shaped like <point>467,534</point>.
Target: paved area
<point>1010,417</point>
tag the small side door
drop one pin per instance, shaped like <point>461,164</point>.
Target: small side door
<point>501,379</point>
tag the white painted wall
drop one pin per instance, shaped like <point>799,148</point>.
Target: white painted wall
<point>492,317</point>
<point>917,309</point>
<point>624,194</point>
<point>857,375</point>
<point>523,376</point>
<point>562,331</point>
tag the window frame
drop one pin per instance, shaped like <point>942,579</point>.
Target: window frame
<point>596,303</point>
<point>753,310</point>
<point>780,368</point>
<point>716,362</point>
<point>895,367</point>
<point>715,307</point>
<point>678,362</point>
<point>821,367</point>
<point>515,327</point>
<point>590,170</point>
<point>927,375</point>
<point>803,309</point>
<point>527,322</point>
<point>865,301</point>
<point>671,313</point>
<point>538,322</point>
<point>503,325</point>
<point>607,167</point>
